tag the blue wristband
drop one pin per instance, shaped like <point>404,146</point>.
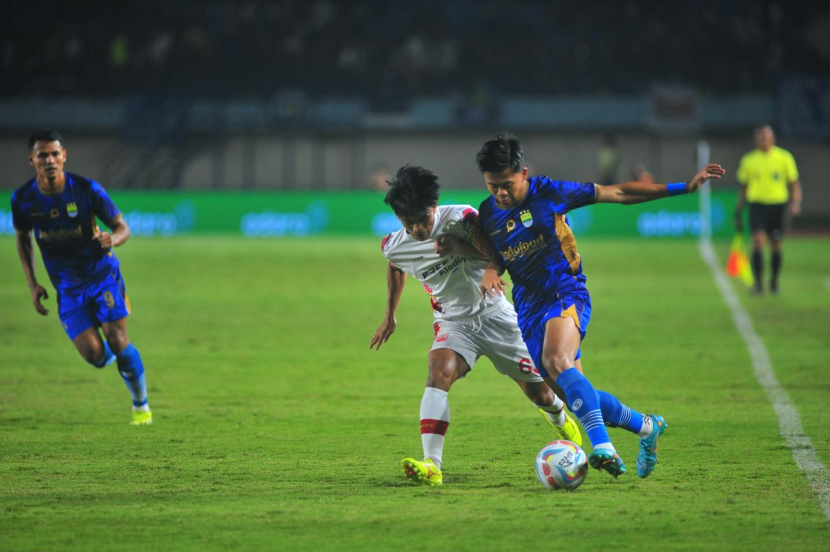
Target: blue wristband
<point>676,188</point>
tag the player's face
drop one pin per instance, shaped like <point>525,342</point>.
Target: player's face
<point>419,227</point>
<point>507,187</point>
<point>48,159</point>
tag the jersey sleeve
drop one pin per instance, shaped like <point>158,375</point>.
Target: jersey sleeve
<point>386,249</point>
<point>102,205</point>
<point>792,170</point>
<point>384,245</point>
<point>567,196</point>
<point>19,219</point>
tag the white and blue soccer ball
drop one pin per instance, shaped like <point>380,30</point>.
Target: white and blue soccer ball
<point>561,465</point>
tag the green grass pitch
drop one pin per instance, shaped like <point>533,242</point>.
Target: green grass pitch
<point>277,428</point>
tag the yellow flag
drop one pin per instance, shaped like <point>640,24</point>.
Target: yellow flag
<point>737,265</point>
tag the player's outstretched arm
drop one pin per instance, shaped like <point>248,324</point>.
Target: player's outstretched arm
<point>120,234</point>
<point>629,193</point>
<point>27,259</point>
<point>395,281</point>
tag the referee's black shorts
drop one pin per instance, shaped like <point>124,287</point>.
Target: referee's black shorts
<point>768,219</point>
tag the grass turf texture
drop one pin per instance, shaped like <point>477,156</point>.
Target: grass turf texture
<point>276,427</point>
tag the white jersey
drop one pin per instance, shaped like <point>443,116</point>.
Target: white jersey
<point>451,282</point>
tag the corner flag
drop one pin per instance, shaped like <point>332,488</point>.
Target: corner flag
<point>737,265</point>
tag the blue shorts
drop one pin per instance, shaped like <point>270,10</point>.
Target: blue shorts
<point>577,307</point>
<point>104,301</point>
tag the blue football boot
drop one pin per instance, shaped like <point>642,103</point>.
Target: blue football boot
<point>607,460</point>
<point>647,457</point>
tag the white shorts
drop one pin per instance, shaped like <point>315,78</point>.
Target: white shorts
<point>496,336</point>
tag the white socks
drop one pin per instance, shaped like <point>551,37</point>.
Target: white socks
<point>435,419</point>
<point>648,427</point>
<point>555,412</point>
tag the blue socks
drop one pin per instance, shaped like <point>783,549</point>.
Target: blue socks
<point>132,371</point>
<point>584,402</point>
<point>106,357</point>
<point>616,414</point>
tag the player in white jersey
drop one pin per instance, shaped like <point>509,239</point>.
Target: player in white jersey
<point>466,326</point>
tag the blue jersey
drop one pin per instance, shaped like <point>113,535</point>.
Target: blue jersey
<point>536,243</point>
<point>64,226</point>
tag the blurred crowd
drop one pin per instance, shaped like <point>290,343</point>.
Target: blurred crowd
<point>391,50</point>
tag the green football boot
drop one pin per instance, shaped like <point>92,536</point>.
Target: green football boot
<point>142,418</point>
<point>569,431</point>
<point>423,472</point>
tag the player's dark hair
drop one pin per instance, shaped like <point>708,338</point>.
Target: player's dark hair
<point>503,152</point>
<point>45,135</point>
<point>412,192</point>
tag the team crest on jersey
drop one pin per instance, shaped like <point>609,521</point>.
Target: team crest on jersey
<point>511,224</point>
<point>71,210</point>
<point>527,219</point>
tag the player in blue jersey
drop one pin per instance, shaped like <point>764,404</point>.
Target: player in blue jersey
<point>61,209</point>
<point>525,219</point>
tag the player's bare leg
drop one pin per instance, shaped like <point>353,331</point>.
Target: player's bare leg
<point>559,349</point>
<point>131,368</point>
<point>445,368</point>
<point>538,392</point>
<point>93,349</point>
<point>552,409</point>
<point>561,343</point>
<point>558,390</point>
<point>116,334</point>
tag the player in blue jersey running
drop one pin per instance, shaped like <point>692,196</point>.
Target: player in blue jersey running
<point>525,219</point>
<point>61,209</point>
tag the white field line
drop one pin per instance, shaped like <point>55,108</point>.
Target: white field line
<point>789,422</point>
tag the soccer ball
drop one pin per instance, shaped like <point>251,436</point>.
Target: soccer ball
<point>561,465</point>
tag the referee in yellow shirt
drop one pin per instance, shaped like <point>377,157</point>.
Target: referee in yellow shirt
<point>769,181</point>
